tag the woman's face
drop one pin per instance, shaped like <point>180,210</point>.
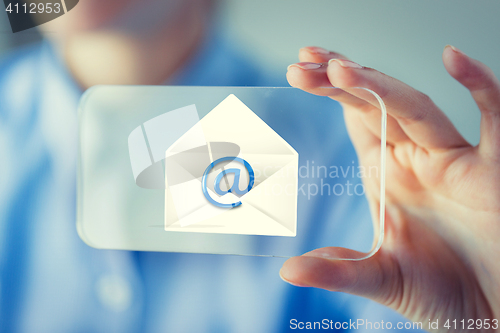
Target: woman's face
<point>128,15</point>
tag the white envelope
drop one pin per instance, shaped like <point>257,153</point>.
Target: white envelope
<point>232,129</point>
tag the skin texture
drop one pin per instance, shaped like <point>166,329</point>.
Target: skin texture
<point>440,255</point>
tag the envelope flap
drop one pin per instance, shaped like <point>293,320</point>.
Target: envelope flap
<point>193,138</point>
<point>232,121</point>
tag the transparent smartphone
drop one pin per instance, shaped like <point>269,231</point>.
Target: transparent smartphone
<point>260,171</point>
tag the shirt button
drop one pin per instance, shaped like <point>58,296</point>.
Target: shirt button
<point>114,292</point>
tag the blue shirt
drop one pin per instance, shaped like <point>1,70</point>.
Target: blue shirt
<point>50,281</point>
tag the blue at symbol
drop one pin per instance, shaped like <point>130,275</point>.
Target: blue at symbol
<point>234,189</point>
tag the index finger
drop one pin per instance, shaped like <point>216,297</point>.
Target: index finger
<point>422,121</point>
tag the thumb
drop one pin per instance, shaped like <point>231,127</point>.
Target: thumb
<point>376,278</point>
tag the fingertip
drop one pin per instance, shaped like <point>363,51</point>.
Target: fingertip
<point>307,75</point>
<point>346,63</point>
<point>292,272</point>
<point>293,282</point>
<point>455,61</point>
<point>300,271</point>
<point>473,74</point>
<point>294,75</point>
<point>318,54</point>
<point>318,272</point>
<point>344,73</point>
<point>453,49</point>
<point>315,50</point>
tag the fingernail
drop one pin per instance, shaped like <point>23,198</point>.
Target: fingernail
<point>319,50</point>
<point>293,283</point>
<point>454,49</point>
<point>346,63</point>
<point>319,254</point>
<point>306,65</point>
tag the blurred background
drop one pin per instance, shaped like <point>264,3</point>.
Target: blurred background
<point>403,39</point>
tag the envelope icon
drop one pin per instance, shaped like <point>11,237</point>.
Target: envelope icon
<point>231,130</point>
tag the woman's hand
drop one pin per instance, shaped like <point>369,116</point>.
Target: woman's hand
<point>441,254</point>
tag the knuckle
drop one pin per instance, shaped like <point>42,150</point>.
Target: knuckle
<point>423,105</point>
<point>424,98</point>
